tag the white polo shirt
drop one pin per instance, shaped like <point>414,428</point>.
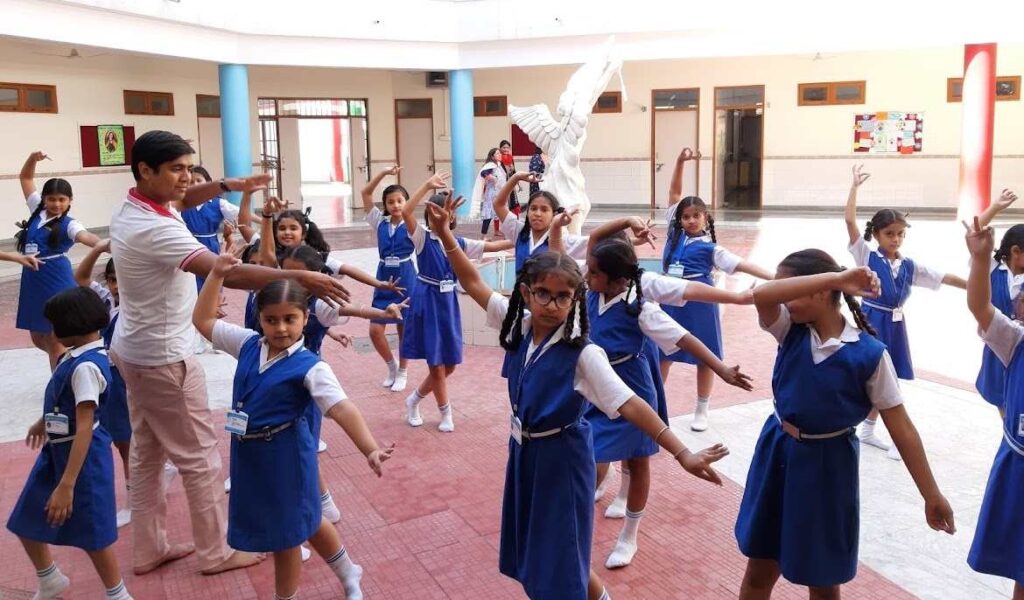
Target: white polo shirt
<point>152,247</point>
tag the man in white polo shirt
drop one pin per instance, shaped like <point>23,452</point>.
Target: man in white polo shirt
<point>156,258</point>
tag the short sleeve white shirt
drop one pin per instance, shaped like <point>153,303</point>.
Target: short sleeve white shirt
<point>654,322</point>
<point>924,276</point>
<point>474,248</point>
<point>1002,337</point>
<point>374,218</point>
<point>575,245</point>
<point>87,381</point>
<point>74,226</point>
<point>664,289</point>
<point>723,259</point>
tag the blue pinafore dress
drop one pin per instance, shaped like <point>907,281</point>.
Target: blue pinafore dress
<point>880,311</point>
<point>998,546</point>
<point>275,490</point>
<point>252,318</point>
<point>204,223</point>
<point>619,334</point>
<point>93,521</point>
<point>53,276</point>
<point>992,375</point>
<point>396,261</point>
<point>547,510</point>
<point>801,503</point>
<point>523,247</point>
<point>693,260</point>
<point>433,326</point>
<point>114,413</point>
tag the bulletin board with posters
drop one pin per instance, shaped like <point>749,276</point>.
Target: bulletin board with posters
<point>106,145</point>
<point>890,132</point>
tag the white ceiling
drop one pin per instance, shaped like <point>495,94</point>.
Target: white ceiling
<point>449,34</point>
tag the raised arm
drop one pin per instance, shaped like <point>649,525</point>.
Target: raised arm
<point>28,172</point>
<point>702,292</point>
<point>1005,199</point>
<point>204,315</point>
<point>436,182</point>
<point>197,194</point>
<point>501,200</point>
<point>558,224</point>
<point>83,274</point>
<point>253,277</point>
<point>245,217</point>
<point>861,281</point>
<point>756,270</point>
<point>393,311</point>
<point>641,230</point>
<point>850,214</point>
<point>371,186</point>
<point>469,277</point>
<point>980,242</point>
<point>675,186</point>
<point>268,241</point>
<point>365,278</point>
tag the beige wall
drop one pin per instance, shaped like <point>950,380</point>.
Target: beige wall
<point>807,149</point>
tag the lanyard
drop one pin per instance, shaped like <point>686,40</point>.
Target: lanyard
<point>527,363</point>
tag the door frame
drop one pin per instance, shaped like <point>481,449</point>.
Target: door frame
<point>654,119</point>
<point>714,139</point>
<point>398,152</point>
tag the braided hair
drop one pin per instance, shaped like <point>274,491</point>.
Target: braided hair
<point>812,262</point>
<point>52,187</point>
<point>1014,236</point>
<point>539,265</point>
<point>616,258</point>
<point>311,234</point>
<point>309,257</point>
<point>556,207</point>
<point>675,227</point>
<point>883,219</point>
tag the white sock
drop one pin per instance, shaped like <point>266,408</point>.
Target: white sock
<point>401,379</point>
<point>446,425</point>
<point>51,583</point>
<point>118,592</point>
<point>869,437</point>
<point>392,372</point>
<point>305,554</point>
<point>329,508</point>
<point>292,597</point>
<point>617,509</point>
<point>412,409</point>
<point>625,548</point>
<point>348,574</point>
<point>700,415</point>
<point>894,453</point>
<point>867,428</point>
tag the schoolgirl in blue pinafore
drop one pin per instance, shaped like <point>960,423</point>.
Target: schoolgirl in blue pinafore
<point>53,276</point>
<point>92,524</point>
<point>396,251</point>
<point>204,222</point>
<point>548,549</point>
<point>694,259</point>
<point>885,313</point>
<point>998,546</point>
<point>113,414</point>
<point>991,379</point>
<point>433,327</point>
<point>618,333</point>
<point>275,492</point>
<point>800,506</point>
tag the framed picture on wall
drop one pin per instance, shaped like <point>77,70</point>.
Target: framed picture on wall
<point>111,145</point>
<point>106,145</point>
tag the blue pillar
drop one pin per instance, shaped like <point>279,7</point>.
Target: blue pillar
<point>234,122</point>
<point>463,164</point>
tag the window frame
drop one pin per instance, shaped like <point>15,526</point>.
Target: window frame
<point>207,97</point>
<point>830,93</point>
<point>615,109</point>
<point>480,106</point>
<point>147,98</point>
<point>952,81</point>
<point>23,89</point>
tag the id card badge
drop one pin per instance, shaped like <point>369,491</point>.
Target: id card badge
<point>1020,425</point>
<point>392,261</point>
<point>517,429</point>
<point>675,270</point>
<point>447,286</point>
<point>31,249</point>
<point>56,423</point>
<point>897,314</point>
<point>237,423</point>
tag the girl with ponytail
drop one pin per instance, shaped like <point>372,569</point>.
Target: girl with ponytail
<point>629,325</point>
<point>692,253</point>
<point>553,373</point>
<point>828,375</point>
<point>1006,274</point>
<point>897,275</point>
<point>47,235</point>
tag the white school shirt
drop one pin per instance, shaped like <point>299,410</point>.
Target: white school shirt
<point>1013,282</point>
<point>883,387</point>
<point>575,245</point>
<point>924,276</point>
<point>1002,337</point>
<point>723,259</point>
<point>87,381</point>
<point>107,298</point>
<point>664,289</point>
<point>327,314</point>
<point>320,381</point>
<point>373,219</point>
<point>74,227</point>
<point>152,250</point>
<point>654,322</point>
<point>594,378</point>
<point>474,248</point>
<point>228,210</point>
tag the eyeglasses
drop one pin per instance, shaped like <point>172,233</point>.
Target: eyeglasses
<point>545,298</point>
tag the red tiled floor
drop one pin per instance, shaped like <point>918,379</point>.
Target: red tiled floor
<point>429,528</point>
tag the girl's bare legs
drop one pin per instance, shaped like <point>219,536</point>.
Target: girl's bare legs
<point>327,544</point>
<point>759,579</point>
<point>402,376</point>
<point>595,589</point>
<point>52,582</point>
<point>637,490</point>
<point>436,382</point>
<point>105,562</point>
<point>287,572</point>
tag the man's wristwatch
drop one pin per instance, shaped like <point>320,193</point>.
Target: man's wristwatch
<point>224,186</point>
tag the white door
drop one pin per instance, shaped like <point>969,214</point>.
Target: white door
<point>291,162</point>
<point>360,165</point>
<point>673,131</point>
<point>211,151</point>
<point>415,150</point>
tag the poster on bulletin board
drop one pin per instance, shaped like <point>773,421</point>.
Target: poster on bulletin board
<point>888,132</point>
<point>111,141</point>
<point>106,145</point>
